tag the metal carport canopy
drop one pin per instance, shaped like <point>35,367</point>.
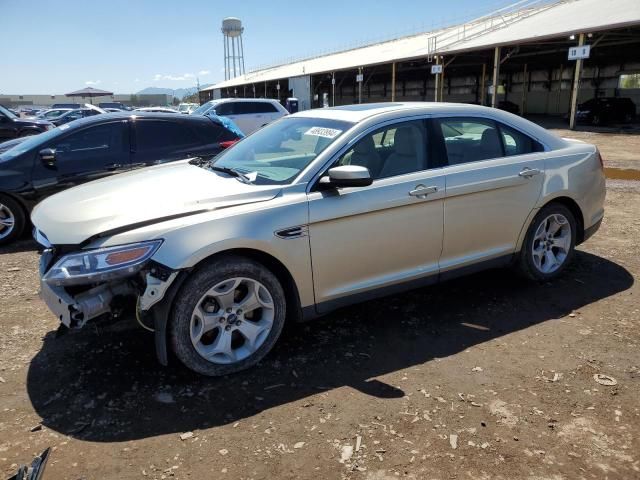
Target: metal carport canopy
<point>561,19</point>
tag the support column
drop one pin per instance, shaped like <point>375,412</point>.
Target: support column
<point>575,87</point>
<point>496,75</point>
<point>360,86</point>
<point>333,89</point>
<point>437,86</point>
<point>525,87</point>
<point>441,95</point>
<point>393,82</point>
<point>483,86</point>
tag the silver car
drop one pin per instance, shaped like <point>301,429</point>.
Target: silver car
<point>318,210</point>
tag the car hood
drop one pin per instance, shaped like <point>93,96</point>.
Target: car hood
<point>4,146</point>
<point>30,122</point>
<point>141,197</point>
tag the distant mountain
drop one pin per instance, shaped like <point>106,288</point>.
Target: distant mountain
<point>178,92</point>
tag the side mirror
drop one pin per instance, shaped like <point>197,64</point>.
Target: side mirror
<point>347,176</point>
<point>48,156</point>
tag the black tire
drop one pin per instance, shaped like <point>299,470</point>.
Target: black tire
<point>192,291</point>
<point>19,217</point>
<point>526,264</point>
<point>596,120</point>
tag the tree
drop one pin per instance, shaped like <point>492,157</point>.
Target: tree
<point>193,98</point>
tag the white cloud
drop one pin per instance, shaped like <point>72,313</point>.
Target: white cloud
<point>174,78</point>
<point>93,82</point>
<point>137,80</point>
<point>204,72</point>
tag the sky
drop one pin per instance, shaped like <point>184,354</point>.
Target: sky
<point>55,46</point>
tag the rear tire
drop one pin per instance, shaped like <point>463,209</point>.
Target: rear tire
<point>12,220</point>
<point>549,245</point>
<point>227,316</point>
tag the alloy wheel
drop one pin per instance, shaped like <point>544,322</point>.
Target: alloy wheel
<point>232,320</point>
<point>551,243</point>
<point>7,221</point>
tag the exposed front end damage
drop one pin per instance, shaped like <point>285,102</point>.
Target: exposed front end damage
<point>78,291</point>
<point>74,311</point>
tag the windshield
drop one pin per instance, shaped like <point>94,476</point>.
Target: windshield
<point>277,153</point>
<point>31,142</point>
<point>202,109</point>
<point>7,112</point>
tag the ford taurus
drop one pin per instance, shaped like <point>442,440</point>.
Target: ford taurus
<point>318,210</point>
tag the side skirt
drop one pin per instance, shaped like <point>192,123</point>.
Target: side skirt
<point>314,311</point>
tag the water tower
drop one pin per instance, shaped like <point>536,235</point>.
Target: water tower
<point>233,51</point>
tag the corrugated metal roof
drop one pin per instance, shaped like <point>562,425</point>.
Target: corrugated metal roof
<point>559,19</point>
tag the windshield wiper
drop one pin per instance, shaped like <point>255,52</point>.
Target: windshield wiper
<point>231,171</point>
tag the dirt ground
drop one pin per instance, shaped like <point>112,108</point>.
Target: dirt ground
<point>485,377</point>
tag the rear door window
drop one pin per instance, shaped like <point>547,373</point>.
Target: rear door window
<point>470,139</point>
<point>228,108</point>
<point>157,140</point>
<point>264,107</point>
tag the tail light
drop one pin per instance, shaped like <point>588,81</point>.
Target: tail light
<point>228,143</point>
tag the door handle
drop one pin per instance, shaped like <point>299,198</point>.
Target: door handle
<point>421,191</point>
<point>529,172</point>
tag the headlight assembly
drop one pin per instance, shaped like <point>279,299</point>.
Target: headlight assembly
<point>101,264</point>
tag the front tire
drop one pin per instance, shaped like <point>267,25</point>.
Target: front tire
<point>227,316</point>
<point>549,245</point>
<point>12,220</point>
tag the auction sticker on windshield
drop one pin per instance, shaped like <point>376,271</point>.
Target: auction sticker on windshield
<point>323,132</point>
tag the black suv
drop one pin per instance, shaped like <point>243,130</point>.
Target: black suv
<point>90,148</point>
<point>599,111</point>
<point>12,126</point>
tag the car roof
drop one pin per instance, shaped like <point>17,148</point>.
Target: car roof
<point>358,113</point>
<point>105,117</point>
<point>260,100</point>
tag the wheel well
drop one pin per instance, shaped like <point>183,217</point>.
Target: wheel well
<point>294,309</point>
<point>577,214</point>
<point>21,205</point>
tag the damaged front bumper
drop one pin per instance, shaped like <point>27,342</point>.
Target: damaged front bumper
<point>75,310</point>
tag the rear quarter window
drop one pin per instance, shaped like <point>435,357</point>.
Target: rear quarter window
<point>517,143</point>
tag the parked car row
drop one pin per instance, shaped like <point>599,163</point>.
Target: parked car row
<point>12,126</point>
<point>93,147</point>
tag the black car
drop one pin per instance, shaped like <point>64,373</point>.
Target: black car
<point>12,126</point>
<point>508,106</point>
<point>118,105</point>
<point>75,114</point>
<point>66,105</point>
<point>599,111</point>
<point>94,147</point>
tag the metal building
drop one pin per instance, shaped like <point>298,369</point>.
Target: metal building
<point>520,52</point>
